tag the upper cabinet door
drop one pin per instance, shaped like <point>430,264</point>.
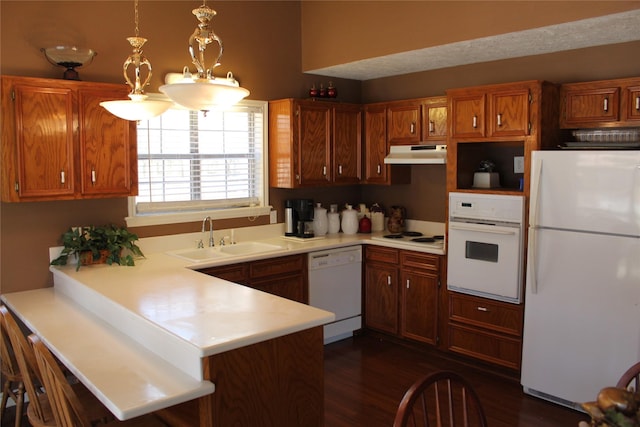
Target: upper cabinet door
<point>375,145</point>
<point>509,112</point>
<point>468,113</point>
<point>403,123</point>
<point>594,105</point>
<point>633,103</point>
<point>44,135</point>
<point>347,143</point>
<point>434,115</point>
<point>314,136</point>
<point>108,149</point>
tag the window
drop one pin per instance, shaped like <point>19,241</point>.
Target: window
<point>190,163</point>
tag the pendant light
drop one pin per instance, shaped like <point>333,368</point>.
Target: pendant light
<point>141,106</point>
<point>204,91</point>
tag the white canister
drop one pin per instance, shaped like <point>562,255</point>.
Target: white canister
<point>320,220</point>
<point>334,222</point>
<point>349,220</point>
<point>377,221</point>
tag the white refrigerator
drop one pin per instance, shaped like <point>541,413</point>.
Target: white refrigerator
<point>582,300</point>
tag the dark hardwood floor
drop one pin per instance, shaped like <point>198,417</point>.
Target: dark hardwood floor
<point>366,377</point>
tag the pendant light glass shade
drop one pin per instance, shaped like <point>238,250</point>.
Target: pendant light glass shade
<point>204,91</point>
<point>139,107</point>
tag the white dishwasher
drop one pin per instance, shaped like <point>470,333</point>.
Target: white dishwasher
<point>335,284</point>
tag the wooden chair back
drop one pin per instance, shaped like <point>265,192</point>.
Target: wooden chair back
<point>65,404</point>
<point>13,384</point>
<point>26,360</point>
<point>630,380</point>
<point>441,399</point>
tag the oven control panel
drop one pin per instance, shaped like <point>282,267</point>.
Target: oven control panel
<point>487,207</point>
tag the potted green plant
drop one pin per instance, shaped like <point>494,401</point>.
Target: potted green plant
<point>110,244</point>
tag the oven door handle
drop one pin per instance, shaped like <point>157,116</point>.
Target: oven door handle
<point>483,228</point>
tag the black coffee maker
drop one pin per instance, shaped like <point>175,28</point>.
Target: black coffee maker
<point>298,218</point>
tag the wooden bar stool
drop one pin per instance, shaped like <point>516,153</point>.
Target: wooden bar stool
<point>39,411</point>
<point>66,406</point>
<point>13,385</point>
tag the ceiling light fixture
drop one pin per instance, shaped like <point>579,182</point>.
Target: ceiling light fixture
<point>204,91</point>
<point>140,106</point>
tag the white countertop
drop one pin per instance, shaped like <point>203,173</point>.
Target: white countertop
<point>127,378</point>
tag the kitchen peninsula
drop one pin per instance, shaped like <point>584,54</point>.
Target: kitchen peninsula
<point>182,334</point>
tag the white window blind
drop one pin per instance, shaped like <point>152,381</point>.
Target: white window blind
<point>189,161</point>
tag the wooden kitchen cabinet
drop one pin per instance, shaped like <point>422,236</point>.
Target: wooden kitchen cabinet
<point>282,276</point>
<point>314,143</point>
<point>485,329</point>
<point>605,103</point>
<point>498,123</point>
<point>420,285</point>
<point>491,111</point>
<point>381,289</point>
<point>434,119</point>
<point>402,293</point>
<point>404,122</point>
<point>59,143</point>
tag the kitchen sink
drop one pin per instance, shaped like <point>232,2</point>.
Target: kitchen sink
<point>238,249</point>
<point>246,248</point>
<point>198,255</point>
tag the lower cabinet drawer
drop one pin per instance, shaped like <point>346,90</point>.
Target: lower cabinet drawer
<point>483,345</point>
<point>495,315</point>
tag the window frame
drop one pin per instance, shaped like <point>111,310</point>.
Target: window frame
<point>135,220</point>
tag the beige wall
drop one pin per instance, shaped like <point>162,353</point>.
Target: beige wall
<point>337,32</point>
<point>263,48</point>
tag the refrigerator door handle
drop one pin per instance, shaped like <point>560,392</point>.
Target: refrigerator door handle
<point>532,250</point>
<point>535,191</point>
<point>533,225</point>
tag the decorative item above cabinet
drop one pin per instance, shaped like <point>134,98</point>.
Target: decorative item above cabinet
<point>59,144</point>
<point>314,143</point>
<point>605,103</point>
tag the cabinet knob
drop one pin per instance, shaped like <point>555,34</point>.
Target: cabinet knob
<point>379,170</point>
<point>93,176</point>
<point>408,282</point>
<point>638,103</point>
<point>499,119</point>
<point>324,170</point>
<point>605,105</point>
<point>389,280</point>
<point>339,169</point>
<point>474,122</point>
<point>62,177</point>
<point>480,308</point>
<point>432,126</point>
<point>412,128</point>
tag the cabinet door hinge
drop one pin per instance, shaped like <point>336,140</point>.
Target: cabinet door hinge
<point>16,187</point>
<point>13,95</point>
<point>530,99</point>
<point>529,127</point>
<point>439,283</point>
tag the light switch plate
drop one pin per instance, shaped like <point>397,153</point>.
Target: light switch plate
<point>518,164</point>
<point>273,216</point>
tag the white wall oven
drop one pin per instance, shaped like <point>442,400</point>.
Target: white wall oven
<point>486,251</point>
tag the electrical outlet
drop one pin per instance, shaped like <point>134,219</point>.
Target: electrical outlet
<point>273,216</point>
<point>518,164</point>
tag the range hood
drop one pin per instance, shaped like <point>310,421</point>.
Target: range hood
<point>417,155</point>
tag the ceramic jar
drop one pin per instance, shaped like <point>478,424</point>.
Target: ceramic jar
<point>320,220</point>
<point>395,223</point>
<point>349,220</point>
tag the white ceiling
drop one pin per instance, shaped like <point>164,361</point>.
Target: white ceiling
<point>604,30</point>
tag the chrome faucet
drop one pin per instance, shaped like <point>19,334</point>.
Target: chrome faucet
<point>204,223</point>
